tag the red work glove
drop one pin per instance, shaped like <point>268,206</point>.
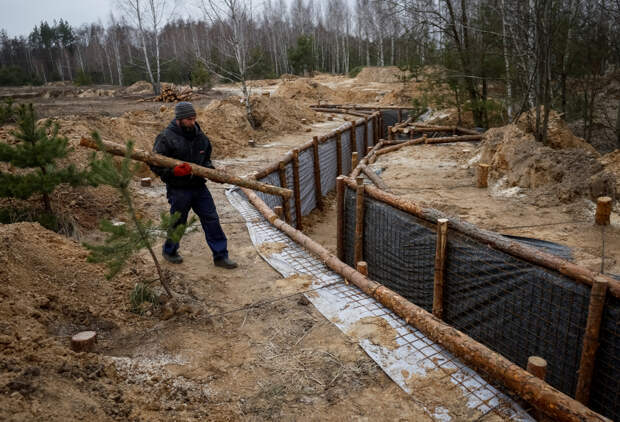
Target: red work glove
<point>182,170</point>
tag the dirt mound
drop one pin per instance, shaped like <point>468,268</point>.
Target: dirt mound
<point>611,162</point>
<point>97,93</point>
<point>49,292</point>
<point>387,74</point>
<point>517,159</point>
<point>225,121</point>
<point>559,134</point>
<point>140,87</point>
<point>306,91</point>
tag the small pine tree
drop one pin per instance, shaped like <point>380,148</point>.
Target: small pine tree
<point>37,148</point>
<point>7,111</point>
<point>126,239</point>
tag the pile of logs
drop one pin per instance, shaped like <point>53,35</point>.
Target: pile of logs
<point>172,95</point>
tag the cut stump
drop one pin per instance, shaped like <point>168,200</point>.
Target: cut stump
<point>84,341</point>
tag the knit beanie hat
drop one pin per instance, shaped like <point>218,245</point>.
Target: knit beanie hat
<point>183,110</point>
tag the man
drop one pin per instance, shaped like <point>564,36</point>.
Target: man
<point>184,140</point>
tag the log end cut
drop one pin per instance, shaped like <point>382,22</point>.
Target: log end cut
<point>84,341</point>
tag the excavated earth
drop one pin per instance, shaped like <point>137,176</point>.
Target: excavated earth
<point>216,357</point>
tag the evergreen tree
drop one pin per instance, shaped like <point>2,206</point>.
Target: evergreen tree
<point>126,239</point>
<point>37,149</point>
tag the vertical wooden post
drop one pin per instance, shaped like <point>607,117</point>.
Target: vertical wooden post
<point>353,137</point>
<point>368,149</point>
<point>440,265</point>
<point>400,115</point>
<point>279,211</point>
<point>339,152</point>
<point>390,136</point>
<point>365,135</point>
<point>317,173</point>
<point>603,211</point>
<point>537,366</point>
<point>286,202</point>
<point>297,190</point>
<point>375,127</point>
<point>362,268</point>
<point>354,156</point>
<point>483,174</point>
<point>340,187</point>
<point>590,339</point>
<point>359,220</point>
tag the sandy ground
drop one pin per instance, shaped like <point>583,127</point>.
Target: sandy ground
<point>217,358</point>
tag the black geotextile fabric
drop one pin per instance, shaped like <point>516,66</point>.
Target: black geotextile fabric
<point>514,307</point>
<point>390,118</point>
<point>359,140</point>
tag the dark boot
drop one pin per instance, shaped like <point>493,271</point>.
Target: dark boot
<point>225,263</point>
<point>175,259</point>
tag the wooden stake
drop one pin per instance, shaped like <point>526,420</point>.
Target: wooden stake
<point>362,268</point>
<point>353,159</point>
<point>590,340</point>
<point>84,341</point>
<point>400,115</point>
<point>603,211</point>
<point>440,264</point>
<point>359,220</point>
<point>296,189</point>
<point>317,173</point>
<point>365,135</point>
<point>286,202</point>
<point>340,187</point>
<point>163,161</point>
<point>537,366</point>
<point>279,211</point>
<point>378,181</point>
<point>353,138</point>
<point>483,174</point>
<point>339,152</point>
<point>390,136</point>
<point>145,181</point>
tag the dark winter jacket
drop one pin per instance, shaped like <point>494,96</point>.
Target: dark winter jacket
<point>190,148</point>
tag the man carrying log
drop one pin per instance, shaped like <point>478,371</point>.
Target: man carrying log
<point>184,140</point>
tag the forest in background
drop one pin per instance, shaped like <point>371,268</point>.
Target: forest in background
<point>494,57</point>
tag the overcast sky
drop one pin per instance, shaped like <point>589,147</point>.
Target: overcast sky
<point>18,17</point>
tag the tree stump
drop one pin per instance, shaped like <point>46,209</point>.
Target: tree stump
<point>483,174</point>
<point>145,181</point>
<point>603,211</point>
<point>84,341</point>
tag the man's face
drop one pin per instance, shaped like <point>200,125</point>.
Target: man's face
<point>187,123</point>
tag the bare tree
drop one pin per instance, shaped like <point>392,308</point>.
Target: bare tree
<point>233,21</point>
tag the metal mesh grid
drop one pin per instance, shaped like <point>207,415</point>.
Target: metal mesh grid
<point>328,157</point>
<point>390,118</point>
<point>346,152</point>
<point>345,305</point>
<point>271,200</point>
<point>371,132</point>
<point>306,181</point>
<point>359,141</point>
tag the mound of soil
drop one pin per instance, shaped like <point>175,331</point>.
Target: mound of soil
<point>47,296</point>
<point>306,91</point>
<point>566,174</point>
<point>140,87</point>
<point>387,74</point>
<point>559,135</point>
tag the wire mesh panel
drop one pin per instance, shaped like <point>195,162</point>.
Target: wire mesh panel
<point>328,159</point>
<point>271,200</point>
<point>390,118</point>
<point>306,181</point>
<point>346,152</point>
<point>349,227</point>
<point>516,308</point>
<point>359,141</point>
<point>605,390</point>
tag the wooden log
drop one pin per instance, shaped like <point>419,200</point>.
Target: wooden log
<point>603,211</point>
<point>317,173</point>
<point>296,188</point>
<point>390,134</point>
<point>286,202</point>
<point>537,366</point>
<point>163,161</point>
<point>375,128</point>
<point>590,340</point>
<point>288,157</point>
<point>440,265</point>
<point>374,178</point>
<point>354,160</point>
<point>359,220</point>
<point>340,187</point>
<point>468,138</point>
<point>279,211</point>
<point>339,163</point>
<point>365,135</point>
<point>362,268</point>
<point>84,341</point>
<point>535,391</point>
<point>483,174</point>
<point>492,239</point>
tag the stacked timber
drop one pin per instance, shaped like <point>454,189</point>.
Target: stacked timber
<point>172,95</point>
